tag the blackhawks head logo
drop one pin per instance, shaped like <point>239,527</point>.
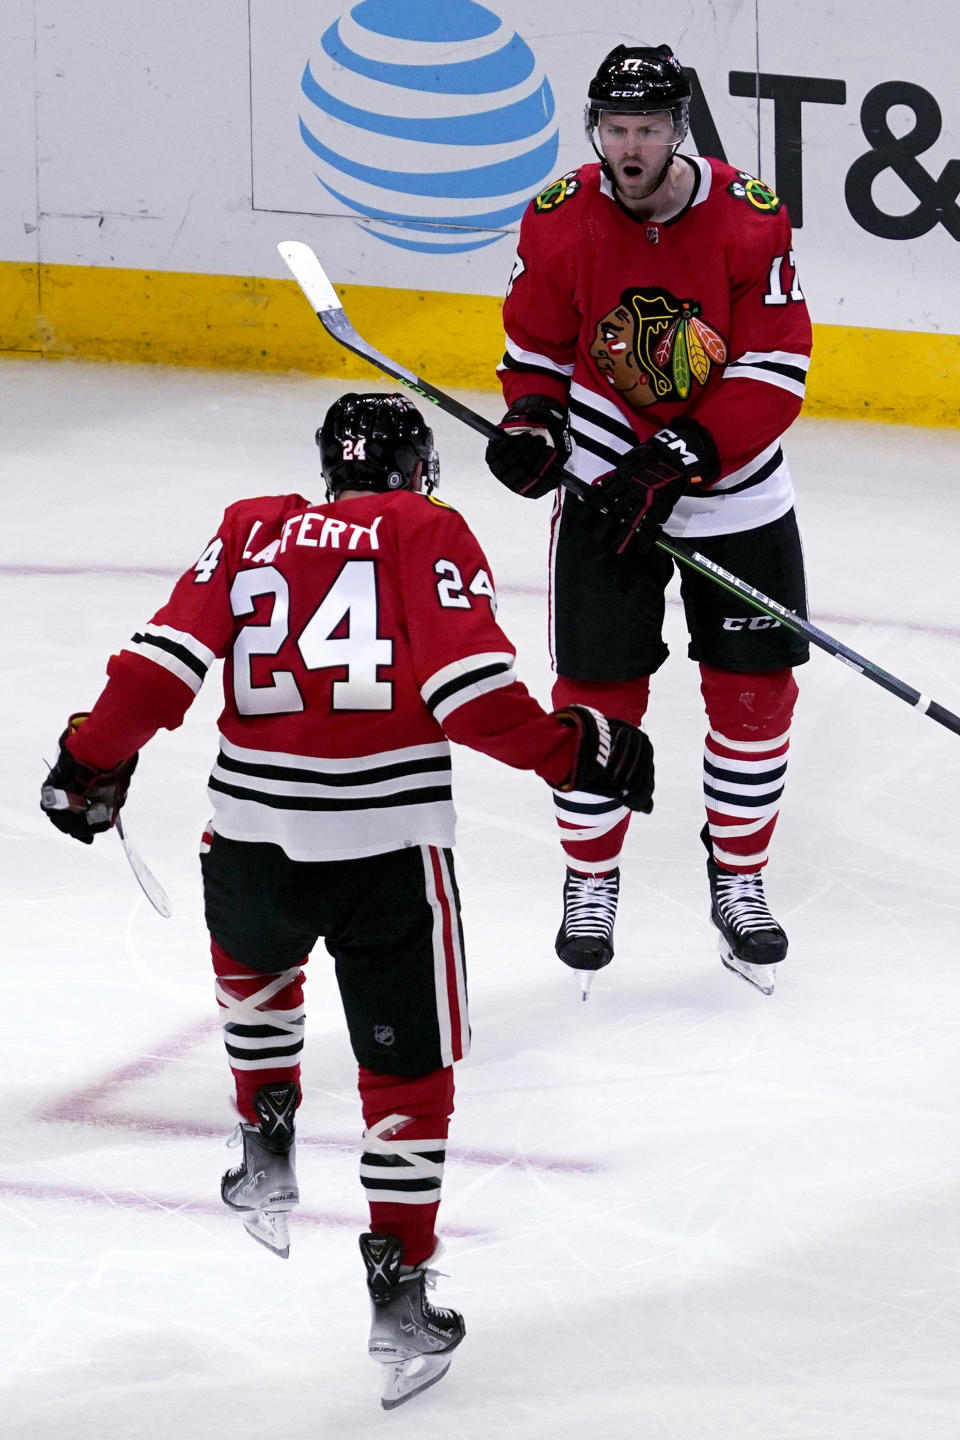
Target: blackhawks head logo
<point>653,347</point>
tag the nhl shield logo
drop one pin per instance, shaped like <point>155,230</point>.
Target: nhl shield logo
<point>383,1034</point>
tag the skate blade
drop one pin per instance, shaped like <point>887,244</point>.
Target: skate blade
<point>269,1229</point>
<point>761,977</point>
<point>586,980</point>
<point>402,1379</point>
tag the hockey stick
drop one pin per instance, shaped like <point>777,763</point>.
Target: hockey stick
<point>311,277</point>
<point>145,877</point>
<point>53,799</point>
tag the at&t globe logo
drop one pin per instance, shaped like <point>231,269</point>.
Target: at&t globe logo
<point>429,118</point>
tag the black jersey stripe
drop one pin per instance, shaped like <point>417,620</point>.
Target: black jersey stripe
<point>372,776</point>
<point>596,447</point>
<point>790,372</point>
<point>430,796</point>
<point>463,682</point>
<point>619,428</point>
<point>523,367</point>
<point>758,476</point>
<point>180,652</point>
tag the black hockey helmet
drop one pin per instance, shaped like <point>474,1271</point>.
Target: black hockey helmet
<point>376,442</point>
<point>639,80</point>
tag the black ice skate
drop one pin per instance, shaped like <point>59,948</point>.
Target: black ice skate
<point>409,1337</point>
<point>263,1188</point>
<point>585,938</point>
<point>751,941</point>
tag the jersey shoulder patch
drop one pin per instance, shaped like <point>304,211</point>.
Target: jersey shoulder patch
<point>441,504</point>
<point>756,193</point>
<point>557,193</point>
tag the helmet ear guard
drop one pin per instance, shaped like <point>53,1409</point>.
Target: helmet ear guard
<point>376,442</point>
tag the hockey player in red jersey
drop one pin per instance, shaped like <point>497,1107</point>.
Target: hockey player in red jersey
<point>358,638</point>
<point>657,344</point>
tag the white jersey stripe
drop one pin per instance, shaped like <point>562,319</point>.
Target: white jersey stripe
<point>774,357</point>
<point>464,680</point>
<point>769,377</point>
<point>172,663</point>
<point>531,357</point>
<point>356,764</point>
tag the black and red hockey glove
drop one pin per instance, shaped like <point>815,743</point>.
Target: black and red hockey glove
<point>81,801</point>
<point>613,758</point>
<point>532,448</point>
<point>640,493</point>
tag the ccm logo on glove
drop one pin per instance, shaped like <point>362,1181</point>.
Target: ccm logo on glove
<point>687,457</point>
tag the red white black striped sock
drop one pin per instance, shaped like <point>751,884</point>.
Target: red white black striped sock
<point>404,1148</point>
<point>743,784</point>
<point>263,1020</point>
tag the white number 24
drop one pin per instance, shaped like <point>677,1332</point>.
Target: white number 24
<point>352,596</point>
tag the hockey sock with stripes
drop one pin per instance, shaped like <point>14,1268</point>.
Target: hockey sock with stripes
<point>263,1019</point>
<point>404,1147</point>
<point>593,829</point>
<point>745,761</point>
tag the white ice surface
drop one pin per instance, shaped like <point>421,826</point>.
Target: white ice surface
<point>681,1211</point>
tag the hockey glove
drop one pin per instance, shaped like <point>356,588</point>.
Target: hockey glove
<point>613,758</point>
<point>79,800</point>
<point>533,447</point>
<point>640,493</point>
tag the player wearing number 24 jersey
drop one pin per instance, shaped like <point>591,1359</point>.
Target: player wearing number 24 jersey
<point>358,637</point>
<point>375,613</point>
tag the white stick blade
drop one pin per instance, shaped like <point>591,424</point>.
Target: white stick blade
<point>145,877</point>
<point>309,275</point>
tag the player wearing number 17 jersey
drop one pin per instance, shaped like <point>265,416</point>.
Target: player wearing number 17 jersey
<point>357,638</point>
<point>658,340</point>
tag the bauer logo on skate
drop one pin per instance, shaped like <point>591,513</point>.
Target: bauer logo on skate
<point>432,123</point>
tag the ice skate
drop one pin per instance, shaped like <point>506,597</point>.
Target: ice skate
<point>409,1337</point>
<point>751,941</point>
<point>263,1187</point>
<point>585,938</point>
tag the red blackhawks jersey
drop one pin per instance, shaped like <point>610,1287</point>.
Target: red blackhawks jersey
<point>633,324</point>
<point>356,638</point>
